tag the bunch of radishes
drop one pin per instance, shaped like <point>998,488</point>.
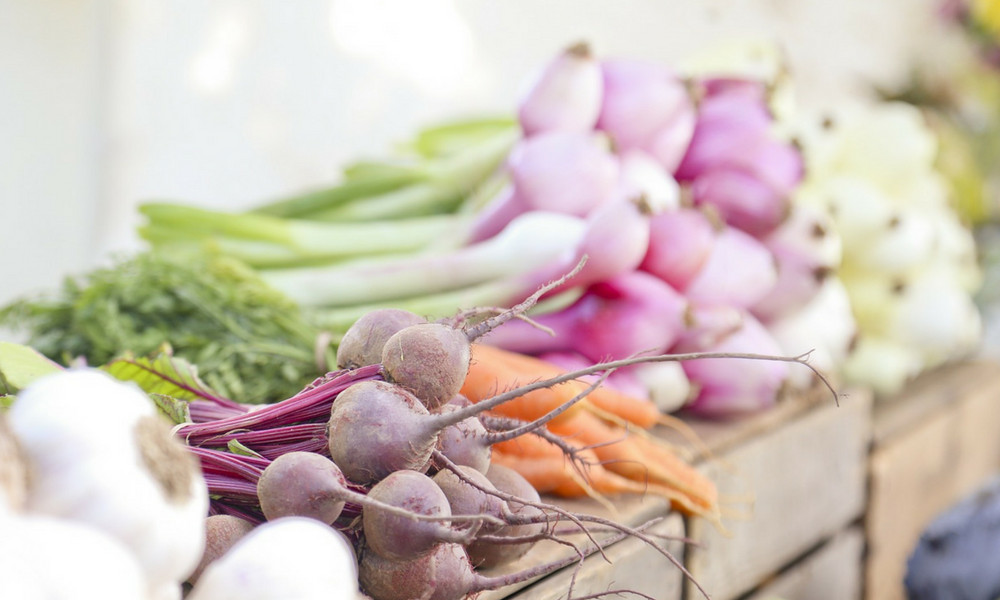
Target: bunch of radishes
<point>388,452</point>
<point>704,249</point>
<point>376,476</point>
<point>910,265</point>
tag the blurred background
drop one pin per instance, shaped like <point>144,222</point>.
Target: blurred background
<point>228,103</point>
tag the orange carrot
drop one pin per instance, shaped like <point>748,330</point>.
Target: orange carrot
<point>494,369</point>
<point>555,475</point>
<point>489,376</point>
<point>641,460</point>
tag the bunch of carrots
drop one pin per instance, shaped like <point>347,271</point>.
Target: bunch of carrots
<point>608,430</point>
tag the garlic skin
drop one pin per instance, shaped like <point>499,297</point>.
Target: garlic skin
<point>42,558</point>
<point>13,472</point>
<point>100,454</point>
<point>291,558</point>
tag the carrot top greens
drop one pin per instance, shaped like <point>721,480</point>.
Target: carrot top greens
<point>250,342</point>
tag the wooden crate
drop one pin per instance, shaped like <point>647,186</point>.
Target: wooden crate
<point>631,564</point>
<point>833,571</point>
<point>804,466</point>
<point>932,444</point>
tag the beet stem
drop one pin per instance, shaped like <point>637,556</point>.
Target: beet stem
<point>491,583</point>
<point>540,422</point>
<point>510,395</point>
<point>365,501</point>
<point>477,331</point>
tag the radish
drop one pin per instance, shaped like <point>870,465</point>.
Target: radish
<point>733,387</point>
<point>397,537</point>
<point>565,96</point>
<point>363,342</point>
<point>825,325</point>
<point>221,533</point>
<point>496,215</point>
<point>680,243</point>
<point>619,317</point>
<point>807,249</point>
<point>486,554</point>
<point>563,172</point>
<point>642,176</point>
<point>739,272</point>
<point>647,107</point>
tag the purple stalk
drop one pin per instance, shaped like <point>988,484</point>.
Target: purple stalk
<point>271,437</point>
<point>248,467</point>
<point>310,404</point>
<point>230,487</point>
<point>316,446</point>
<point>224,508</point>
<point>203,411</point>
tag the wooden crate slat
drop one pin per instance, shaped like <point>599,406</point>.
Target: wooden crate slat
<point>918,472</point>
<point>633,565</point>
<point>807,477</point>
<point>832,572</point>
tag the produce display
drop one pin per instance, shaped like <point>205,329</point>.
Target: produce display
<point>375,388</point>
<point>910,265</point>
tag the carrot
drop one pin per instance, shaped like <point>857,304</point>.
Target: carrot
<point>494,369</point>
<point>488,376</point>
<point>641,460</point>
<point>547,469</point>
<point>554,475</point>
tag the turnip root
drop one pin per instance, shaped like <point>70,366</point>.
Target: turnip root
<point>221,533</point>
<point>432,360</point>
<point>291,557</point>
<point>565,95</point>
<point>446,574</point>
<point>400,538</point>
<point>463,443</point>
<point>363,342</point>
<point>302,484</point>
<point>485,554</point>
<point>465,499</point>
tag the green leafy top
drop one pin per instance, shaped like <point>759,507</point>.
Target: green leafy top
<point>251,343</point>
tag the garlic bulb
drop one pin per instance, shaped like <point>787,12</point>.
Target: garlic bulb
<point>42,558</point>
<point>13,472</point>
<point>291,558</point>
<point>100,454</point>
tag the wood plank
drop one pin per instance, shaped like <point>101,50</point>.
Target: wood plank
<point>931,392</point>
<point>629,510</point>
<point>917,473</point>
<point>633,565</point>
<point>831,572</point>
<point>807,481</point>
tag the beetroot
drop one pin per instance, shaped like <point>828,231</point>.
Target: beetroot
<point>363,342</point>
